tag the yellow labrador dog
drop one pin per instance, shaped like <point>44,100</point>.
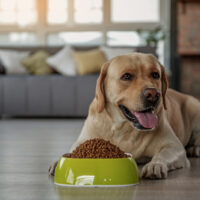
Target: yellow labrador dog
<point>134,110</point>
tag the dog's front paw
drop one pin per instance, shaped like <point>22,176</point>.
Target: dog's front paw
<point>154,170</point>
<point>52,169</point>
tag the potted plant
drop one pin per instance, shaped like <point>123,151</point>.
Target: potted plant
<point>152,37</point>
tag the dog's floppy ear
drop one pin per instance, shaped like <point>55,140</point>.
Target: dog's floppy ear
<point>164,85</point>
<point>99,94</point>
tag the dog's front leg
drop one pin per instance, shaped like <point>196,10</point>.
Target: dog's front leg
<point>167,159</point>
<point>169,156</point>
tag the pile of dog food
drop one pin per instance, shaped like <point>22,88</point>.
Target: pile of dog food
<point>97,148</point>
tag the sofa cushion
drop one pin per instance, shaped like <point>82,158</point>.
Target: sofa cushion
<point>63,62</point>
<point>89,62</point>
<point>36,63</point>
<point>11,60</point>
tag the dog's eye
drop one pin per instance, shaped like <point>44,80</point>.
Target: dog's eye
<point>127,77</point>
<point>155,75</point>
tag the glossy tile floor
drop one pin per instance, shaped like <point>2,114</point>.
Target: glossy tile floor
<point>28,147</point>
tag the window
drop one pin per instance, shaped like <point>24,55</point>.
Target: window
<point>135,11</point>
<point>76,38</point>
<point>88,22</point>
<point>14,38</point>
<point>57,11</point>
<point>18,12</point>
<point>123,38</point>
<point>88,11</point>
<point>80,22</point>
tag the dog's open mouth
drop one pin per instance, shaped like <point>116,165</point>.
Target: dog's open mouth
<point>143,120</point>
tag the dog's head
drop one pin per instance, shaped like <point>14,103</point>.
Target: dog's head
<point>135,85</point>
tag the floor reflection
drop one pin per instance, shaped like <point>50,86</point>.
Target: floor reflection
<point>115,193</point>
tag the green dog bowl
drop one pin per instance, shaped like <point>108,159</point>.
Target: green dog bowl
<point>96,172</point>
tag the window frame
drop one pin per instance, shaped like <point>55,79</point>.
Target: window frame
<point>42,29</point>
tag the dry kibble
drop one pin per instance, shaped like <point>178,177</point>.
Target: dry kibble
<point>97,148</point>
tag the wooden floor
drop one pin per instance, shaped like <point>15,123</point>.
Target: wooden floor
<point>28,147</point>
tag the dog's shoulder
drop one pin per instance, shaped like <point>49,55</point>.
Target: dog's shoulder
<point>175,97</point>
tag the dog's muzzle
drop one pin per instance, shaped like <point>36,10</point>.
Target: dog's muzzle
<point>143,119</point>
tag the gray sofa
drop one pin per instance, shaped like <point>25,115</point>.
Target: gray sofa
<point>51,95</point>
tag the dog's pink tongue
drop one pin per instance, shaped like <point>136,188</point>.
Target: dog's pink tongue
<point>147,120</point>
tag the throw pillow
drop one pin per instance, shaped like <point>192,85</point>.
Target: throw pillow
<point>89,62</point>
<point>63,62</point>
<point>113,52</point>
<point>12,61</point>
<point>36,63</point>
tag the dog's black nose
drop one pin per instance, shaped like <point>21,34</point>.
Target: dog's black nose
<point>151,96</point>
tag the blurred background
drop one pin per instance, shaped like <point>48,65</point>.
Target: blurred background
<point>51,50</point>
